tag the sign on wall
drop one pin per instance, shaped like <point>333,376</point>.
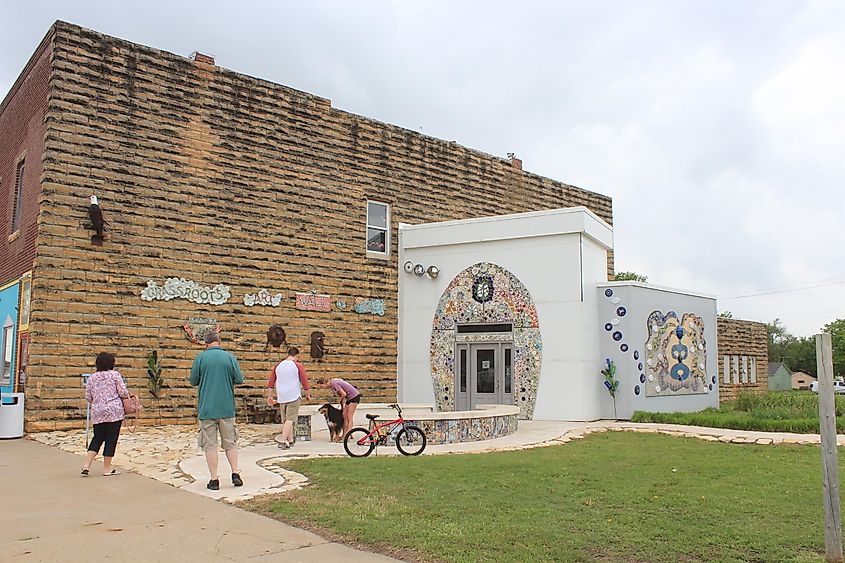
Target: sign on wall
<point>313,302</point>
<point>180,288</point>
<point>26,294</point>
<point>262,297</point>
<point>197,327</point>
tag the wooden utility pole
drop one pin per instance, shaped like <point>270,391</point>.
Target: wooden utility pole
<point>830,464</point>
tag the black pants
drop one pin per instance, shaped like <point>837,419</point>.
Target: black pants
<point>105,432</point>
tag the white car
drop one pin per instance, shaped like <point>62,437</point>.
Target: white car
<point>838,387</point>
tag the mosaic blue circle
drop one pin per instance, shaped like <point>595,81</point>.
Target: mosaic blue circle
<point>636,390</point>
<point>640,366</point>
<point>636,354</point>
<point>608,293</point>
<point>621,312</point>
<point>624,347</point>
<point>617,336</point>
<point>642,378</point>
<point>608,327</point>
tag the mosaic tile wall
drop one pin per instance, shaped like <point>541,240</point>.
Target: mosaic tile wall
<point>487,293</point>
<point>676,355</point>
<point>467,429</point>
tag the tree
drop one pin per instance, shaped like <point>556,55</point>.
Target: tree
<point>630,276</point>
<point>836,330</point>
<point>799,354</point>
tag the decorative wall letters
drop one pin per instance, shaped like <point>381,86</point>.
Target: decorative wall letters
<point>263,297</point>
<point>180,288</point>
<point>313,302</point>
<point>372,306</point>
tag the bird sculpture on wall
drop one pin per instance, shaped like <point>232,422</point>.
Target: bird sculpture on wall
<point>95,214</point>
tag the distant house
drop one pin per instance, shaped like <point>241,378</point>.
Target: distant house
<point>780,378</point>
<point>801,380</point>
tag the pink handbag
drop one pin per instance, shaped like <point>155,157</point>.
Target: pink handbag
<point>131,404</point>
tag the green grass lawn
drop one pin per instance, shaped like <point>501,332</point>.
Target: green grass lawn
<point>610,497</point>
<point>775,411</point>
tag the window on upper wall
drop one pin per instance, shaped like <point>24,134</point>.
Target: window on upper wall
<point>378,228</point>
<point>18,197</point>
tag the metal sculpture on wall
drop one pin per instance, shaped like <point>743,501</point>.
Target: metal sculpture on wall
<point>197,327</point>
<point>318,348</point>
<point>180,288</point>
<point>262,297</point>
<point>372,306</point>
<point>676,355</point>
<point>276,336</point>
<point>502,298</point>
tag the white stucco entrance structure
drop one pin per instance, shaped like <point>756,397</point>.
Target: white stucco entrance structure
<point>514,310</point>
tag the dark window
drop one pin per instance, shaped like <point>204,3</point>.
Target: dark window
<point>463,371</point>
<point>472,329</point>
<point>508,370</point>
<point>378,227</point>
<point>16,214</point>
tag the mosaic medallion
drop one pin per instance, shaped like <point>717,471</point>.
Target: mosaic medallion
<point>482,289</point>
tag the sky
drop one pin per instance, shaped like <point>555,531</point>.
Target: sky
<point>718,128</point>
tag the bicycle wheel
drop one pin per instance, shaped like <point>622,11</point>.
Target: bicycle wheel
<point>357,444</point>
<point>410,441</point>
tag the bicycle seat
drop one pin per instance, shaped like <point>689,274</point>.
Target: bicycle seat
<point>372,416</point>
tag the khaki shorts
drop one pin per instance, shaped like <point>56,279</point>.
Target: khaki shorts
<point>209,428</point>
<point>290,411</point>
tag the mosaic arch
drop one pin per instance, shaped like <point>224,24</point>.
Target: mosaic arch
<point>487,293</point>
<point>676,355</point>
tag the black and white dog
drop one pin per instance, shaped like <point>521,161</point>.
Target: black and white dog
<point>334,420</point>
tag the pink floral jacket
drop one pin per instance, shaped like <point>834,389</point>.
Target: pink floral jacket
<point>104,391</point>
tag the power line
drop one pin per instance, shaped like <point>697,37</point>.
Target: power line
<point>787,289</point>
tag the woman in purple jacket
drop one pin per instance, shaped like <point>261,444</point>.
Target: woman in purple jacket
<point>104,392</point>
<point>349,399</point>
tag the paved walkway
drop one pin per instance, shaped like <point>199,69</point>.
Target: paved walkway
<point>50,513</point>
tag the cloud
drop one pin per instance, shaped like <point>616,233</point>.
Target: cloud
<point>717,127</point>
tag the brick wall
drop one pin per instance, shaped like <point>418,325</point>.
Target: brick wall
<point>218,177</point>
<point>22,128</point>
<point>742,338</point>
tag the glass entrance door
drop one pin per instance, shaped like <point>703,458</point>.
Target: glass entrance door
<point>485,378</point>
<point>483,375</point>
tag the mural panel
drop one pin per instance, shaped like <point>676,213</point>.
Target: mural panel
<point>676,355</point>
<point>487,293</point>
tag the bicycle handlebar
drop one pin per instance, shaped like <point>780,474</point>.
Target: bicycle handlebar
<point>397,407</point>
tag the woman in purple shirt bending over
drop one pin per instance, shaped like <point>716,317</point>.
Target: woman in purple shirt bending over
<point>349,399</point>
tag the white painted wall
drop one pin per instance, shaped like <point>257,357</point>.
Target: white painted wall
<point>640,300</point>
<point>560,256</point>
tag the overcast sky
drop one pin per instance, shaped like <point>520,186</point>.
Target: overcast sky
<point>718,128</point>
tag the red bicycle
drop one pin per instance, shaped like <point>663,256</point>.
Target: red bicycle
<point>360,442</point>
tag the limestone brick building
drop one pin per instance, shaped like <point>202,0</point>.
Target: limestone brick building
<point>262,205</point>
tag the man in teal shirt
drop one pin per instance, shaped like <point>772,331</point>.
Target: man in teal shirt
<point>216,371</point>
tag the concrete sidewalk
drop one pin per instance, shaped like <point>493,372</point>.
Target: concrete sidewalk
<point>51,513</point>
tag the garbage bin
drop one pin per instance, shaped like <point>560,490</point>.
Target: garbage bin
<point>11,415</point>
